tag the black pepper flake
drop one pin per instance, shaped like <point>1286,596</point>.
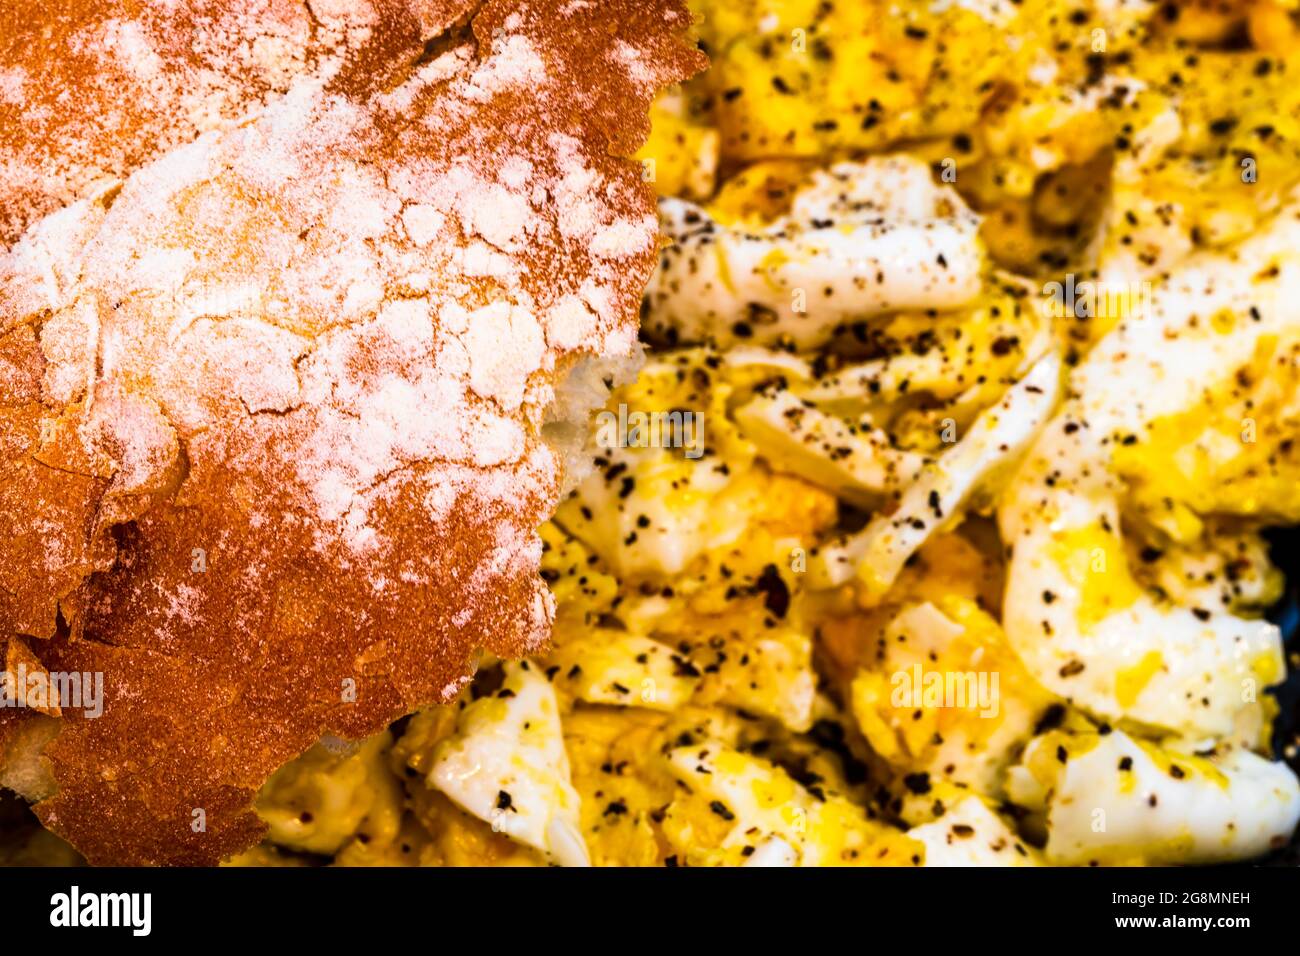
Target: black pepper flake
<point>1003,345</point>
<point>918,783</point>
<point>722,810</point>
<point>684,668</point>
<point>776,594</point>
<point>1096,63</point>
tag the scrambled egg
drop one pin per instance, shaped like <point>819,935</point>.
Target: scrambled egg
<point>931,532</point>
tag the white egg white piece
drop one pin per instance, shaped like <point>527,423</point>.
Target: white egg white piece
<point>998,435</point>
<point>773,852</point>
<point>506,764</point>
<point>641,532</point>
<point>856,462</point>
<point>753,357</point>
<point>1160,360</point>
<point>1183,670</point>
<point>970,834</point>
<point>769,673</point>
<point>860,239</point>
<point>1112,799</point>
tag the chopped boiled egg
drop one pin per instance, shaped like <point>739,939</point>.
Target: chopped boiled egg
<point>506,764</point>
<point>859,239</point>
<point>941,491</point>
<point>970,834</point>
<point>739,805</point>
<point>1112,798</point>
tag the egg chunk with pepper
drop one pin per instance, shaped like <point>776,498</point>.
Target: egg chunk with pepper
<point>945,698</point>
<point>668,462</point>
<point>506,764</point>
<point>741,808</point>
<point>858,239</point>
<point>1112,798</point>
<point>970,834</point>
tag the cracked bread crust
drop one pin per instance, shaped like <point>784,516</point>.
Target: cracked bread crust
<point>90,90</point>
<point>272,407</point>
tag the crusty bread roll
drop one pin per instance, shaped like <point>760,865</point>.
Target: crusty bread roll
<point>273,401</point>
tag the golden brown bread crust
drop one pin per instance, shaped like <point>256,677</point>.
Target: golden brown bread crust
<point>44,560</point>
<point>95,88</point>
<point>283,392</point>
